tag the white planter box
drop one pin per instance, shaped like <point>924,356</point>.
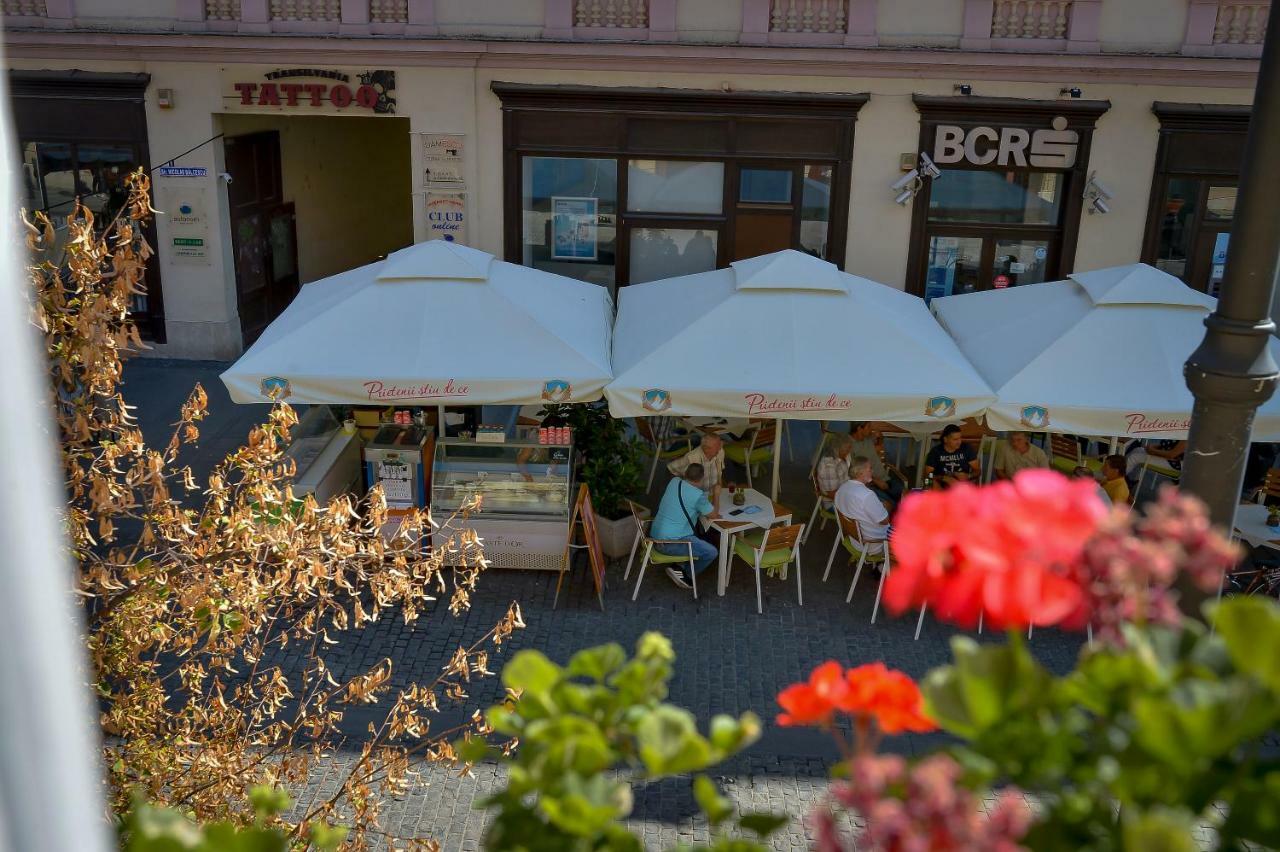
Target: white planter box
<point>616,537</point>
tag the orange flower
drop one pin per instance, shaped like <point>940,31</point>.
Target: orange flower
<point>889,697</point>
<point>872,692</point>
<point>814,702</point>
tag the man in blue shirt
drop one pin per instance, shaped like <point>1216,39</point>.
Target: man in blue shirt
<point>682,503</point>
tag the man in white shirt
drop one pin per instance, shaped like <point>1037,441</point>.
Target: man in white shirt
<point>856,500</point>
<point>710,454</point>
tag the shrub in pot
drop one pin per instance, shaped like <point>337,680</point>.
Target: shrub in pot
<point>611,464</point>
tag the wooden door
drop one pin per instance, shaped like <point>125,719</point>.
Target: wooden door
<point>263,236</point>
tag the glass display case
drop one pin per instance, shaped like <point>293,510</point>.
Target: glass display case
<point>326,457</point>
<point>524,490</point>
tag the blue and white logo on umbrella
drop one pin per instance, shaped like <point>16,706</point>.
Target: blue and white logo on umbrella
<point>1035,417</point>
<point>276,388</point>
<point>557,390</point>
<point>940,406</point>
<point>655,400</point>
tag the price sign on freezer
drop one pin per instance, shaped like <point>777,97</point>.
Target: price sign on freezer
<point>397,483</point>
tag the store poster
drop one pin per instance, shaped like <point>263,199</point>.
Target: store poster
<point>183,198</point>
<point>443,156</point>
<point>573,228</point>
<point>447,217</point>
<point>396,480</point>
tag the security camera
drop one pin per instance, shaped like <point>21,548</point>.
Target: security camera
<point>225,177</point>
<point>1101,189</point>
<point>1100,206</point>
<point>927,167</point>
<point>1073,92</point>
<point>963,88</point>
<point>905,181</point>
<point>904,196</point>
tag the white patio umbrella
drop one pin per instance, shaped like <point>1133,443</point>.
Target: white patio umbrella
<point>1098,354</point>
<point>433,324</point>
<point>786,336</point>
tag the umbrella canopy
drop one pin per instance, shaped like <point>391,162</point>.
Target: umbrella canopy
<point>786,335</point>
<point>1098,354</point>
<point>433,324</point>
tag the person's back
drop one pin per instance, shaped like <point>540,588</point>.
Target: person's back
<point>674,520</point>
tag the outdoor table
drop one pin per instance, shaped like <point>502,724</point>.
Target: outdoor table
<point>725,426</point>
<point>770,513</point>
<point>1251,526</point>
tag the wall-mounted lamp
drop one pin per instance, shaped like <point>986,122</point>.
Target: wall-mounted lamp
<point>1073,92</point>
<point>1096,195</point>
<point>963,88</point>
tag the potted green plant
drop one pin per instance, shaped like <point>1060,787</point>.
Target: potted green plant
<point>611,464</point>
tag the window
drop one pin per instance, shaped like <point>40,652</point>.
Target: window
<point>680,182</point>
<point>570,207</point>
<point>1005,210</point>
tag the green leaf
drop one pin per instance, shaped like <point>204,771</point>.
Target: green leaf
<point>670,743</point>
<point>730,735</point>
<point>653,647</point>
<point>531,673</point>
<point>268,801</point>
<point>598,663</point>
<point>1201,719</point>
<point>986,685</point>
<point>588,806</point>
<point>762,823</point>
<point>472,749</point>
<point>327,838</point>
<point>1250,625</point>
<point>1159,829</point>
<point>717,807</point>
<point>1253,814</point>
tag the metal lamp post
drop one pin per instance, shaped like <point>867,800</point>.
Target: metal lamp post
<point>1232,372</point>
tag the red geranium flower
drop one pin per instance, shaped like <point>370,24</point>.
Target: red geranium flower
<point>889,697</point>
<point>814,702</point>
<point>1010,551</point>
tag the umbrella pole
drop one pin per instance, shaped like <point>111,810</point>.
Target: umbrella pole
<point>1115,446</point>
<point>777,456</point>
<point>924,454</point>
<point>440,433</point>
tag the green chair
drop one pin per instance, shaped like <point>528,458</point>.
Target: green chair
<point>755,448</point>
<point>766,550</point>
<point>654,556</point>
<point>664,447</point>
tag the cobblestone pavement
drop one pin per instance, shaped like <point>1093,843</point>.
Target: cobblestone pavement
<point>730,659</point>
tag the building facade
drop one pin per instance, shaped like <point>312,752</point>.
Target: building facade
<point>939,146</point>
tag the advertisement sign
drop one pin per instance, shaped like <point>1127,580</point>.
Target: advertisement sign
<point>447,217</point>
<point>573,228</point>
<point>443,158</point>
<point>309,91</point>
<point>1047,148</point>
<point>184,205</point>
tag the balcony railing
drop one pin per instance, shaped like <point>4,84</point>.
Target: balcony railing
<point>1241,23</point>
<point>306,10</point>
<point>24,8</point>
<point>222,10</point>
<point>1046,19</point>
<point>611,14</point>
<point>809,16</point>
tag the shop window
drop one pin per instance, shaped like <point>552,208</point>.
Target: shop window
<point>570,209</point>
<point>1195,230</point>
<point>671,186</point>
<point>1014,198</point>
<point>815,210</point>
<point>669,252</point>
<point>764,186</point>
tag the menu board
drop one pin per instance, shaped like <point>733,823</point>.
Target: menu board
<point>396,479</point>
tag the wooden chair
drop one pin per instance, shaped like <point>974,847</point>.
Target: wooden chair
<point>1064,453</point>
<point>776,547</point>
<point>654,556</point>
<point>662,445</point>
<point>823,510</point>
<point>1270,487</point>
<point>865,551</point>
<point>755,448</point>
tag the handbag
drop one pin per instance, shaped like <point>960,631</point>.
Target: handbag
<point>706,535</point>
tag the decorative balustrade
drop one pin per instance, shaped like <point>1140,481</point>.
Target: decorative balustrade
<point>1032,19</point>
<point>388,11</point>
<point>1241,23</point>
<point>222,10</point>
<point>809,16</point>
<point>611,14</point>
<point>306,10</point>
<point>23,8</point>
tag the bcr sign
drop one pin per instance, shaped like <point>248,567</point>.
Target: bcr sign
<point>1046,148</point>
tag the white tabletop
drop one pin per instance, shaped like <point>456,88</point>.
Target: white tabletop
<point>718,425</point>
<point>763,519</point>
<point>1251,525</point>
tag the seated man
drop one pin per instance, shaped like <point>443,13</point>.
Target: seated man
<point>710,454</point>
<point>867,443</point>
<point>676,520</point>
<point>952,460</point>
<point>856,501</point>
<point>1113,481</point>
<point>833,468</point>
<point>1018,453</point>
